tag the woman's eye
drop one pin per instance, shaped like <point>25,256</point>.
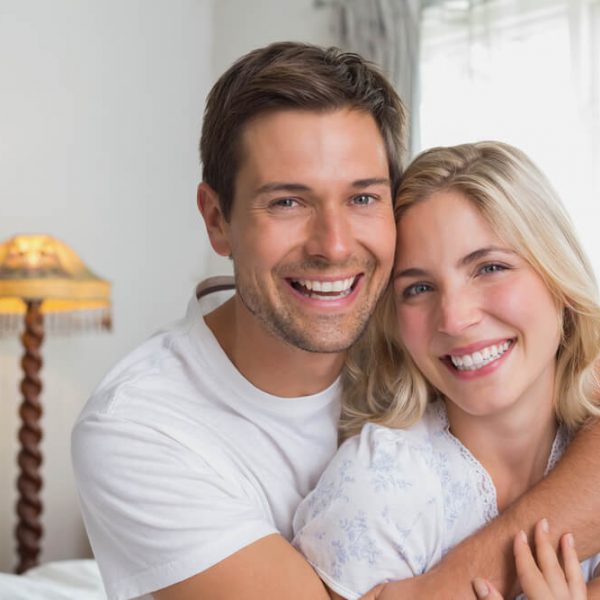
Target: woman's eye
<point>416,290</point>
<point>492,268</point>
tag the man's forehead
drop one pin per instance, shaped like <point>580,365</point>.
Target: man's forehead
<point>287,146</point>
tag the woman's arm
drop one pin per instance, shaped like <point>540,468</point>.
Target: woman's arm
<point>569,498</point>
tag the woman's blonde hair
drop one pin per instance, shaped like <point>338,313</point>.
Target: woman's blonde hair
<point>381,382</point>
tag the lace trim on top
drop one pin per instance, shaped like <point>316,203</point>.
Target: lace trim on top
<point>485,485</point>
<point>562,439</point>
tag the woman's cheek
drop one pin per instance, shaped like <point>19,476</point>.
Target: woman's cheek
<point>413,329</point>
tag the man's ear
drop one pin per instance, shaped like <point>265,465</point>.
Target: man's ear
<point>216,225</point>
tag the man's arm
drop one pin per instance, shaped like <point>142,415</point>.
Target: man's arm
<point>268,568</point>
<point>593,589</point>
<point>569,498</point>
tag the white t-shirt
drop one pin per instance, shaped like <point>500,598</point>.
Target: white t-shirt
<point>180,461</point>
<point>392,502</point>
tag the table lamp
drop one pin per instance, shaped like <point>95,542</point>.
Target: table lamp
<point>42,280</point>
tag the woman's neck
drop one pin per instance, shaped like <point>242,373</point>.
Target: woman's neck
<point>513,446</point>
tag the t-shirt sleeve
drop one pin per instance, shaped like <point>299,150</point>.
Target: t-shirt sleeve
<point>156,512</point>
<point>591,568</point>
<point>375,514</point>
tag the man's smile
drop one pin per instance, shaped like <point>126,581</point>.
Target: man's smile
<point>329,289</point>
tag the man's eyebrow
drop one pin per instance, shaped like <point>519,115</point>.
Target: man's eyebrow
<point>290,186</point>
<point>281,186</point>
<point>463,262</point>
<point>371,181</point>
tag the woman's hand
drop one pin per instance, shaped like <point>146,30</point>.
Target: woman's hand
<point>546,578</point>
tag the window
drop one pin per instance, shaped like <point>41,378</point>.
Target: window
<point>524,72</point>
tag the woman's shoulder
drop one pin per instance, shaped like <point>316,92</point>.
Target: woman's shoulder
<point>378,507</point>
<point>388,458</point>
<point>375,439</point>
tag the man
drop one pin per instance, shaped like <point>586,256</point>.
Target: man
<point>194,452</point>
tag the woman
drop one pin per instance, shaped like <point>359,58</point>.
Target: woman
<point>472,379</point>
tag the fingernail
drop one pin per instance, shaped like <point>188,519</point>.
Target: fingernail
<point>545,526</point>
<point>570,539</point>
<point>481,588</point>
<point>523,536</point>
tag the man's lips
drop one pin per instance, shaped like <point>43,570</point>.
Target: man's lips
<point>325,288</point>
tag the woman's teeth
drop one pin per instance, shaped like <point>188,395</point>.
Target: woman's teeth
<point>481,358</point>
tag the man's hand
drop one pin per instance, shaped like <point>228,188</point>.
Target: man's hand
<point>543,577</point>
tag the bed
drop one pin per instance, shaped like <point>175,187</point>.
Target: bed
<point>61,580</point>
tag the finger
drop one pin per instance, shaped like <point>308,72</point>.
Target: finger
<point>530,577</point>
<point>547,560</point>
<point>484,589</point>
<point>573,572</point>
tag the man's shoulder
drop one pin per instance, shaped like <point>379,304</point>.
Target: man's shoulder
<point>151,368</point>
<point>175,361</point>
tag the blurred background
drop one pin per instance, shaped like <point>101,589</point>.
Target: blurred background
<point>101,105</point>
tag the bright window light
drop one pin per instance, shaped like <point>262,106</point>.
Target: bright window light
<point>519,73</point>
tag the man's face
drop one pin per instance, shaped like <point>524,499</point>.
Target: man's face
<point>312,229</point>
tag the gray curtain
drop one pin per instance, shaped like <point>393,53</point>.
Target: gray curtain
<point>387,33</point>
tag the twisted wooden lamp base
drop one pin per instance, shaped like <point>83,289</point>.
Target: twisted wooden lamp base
<point>29,482</point>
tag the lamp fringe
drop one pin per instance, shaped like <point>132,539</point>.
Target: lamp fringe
<point>56,323</point>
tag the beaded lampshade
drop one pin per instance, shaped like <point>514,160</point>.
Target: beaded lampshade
<point>42,282</point>
<point>40,267</point>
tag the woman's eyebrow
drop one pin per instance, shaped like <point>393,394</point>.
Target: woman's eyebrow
<point>410,272</point>
<point>482,253</point>
<point>464,261</point>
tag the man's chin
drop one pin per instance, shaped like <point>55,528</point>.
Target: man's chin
<point>325,342</point>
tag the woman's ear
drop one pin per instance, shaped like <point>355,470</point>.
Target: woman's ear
<point>217,226</point>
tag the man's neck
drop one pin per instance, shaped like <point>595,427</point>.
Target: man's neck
<point>268,362</point>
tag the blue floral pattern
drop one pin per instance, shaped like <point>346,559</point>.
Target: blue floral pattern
<point>392,502</point>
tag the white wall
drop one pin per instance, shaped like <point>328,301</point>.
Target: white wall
<point>100,111</point>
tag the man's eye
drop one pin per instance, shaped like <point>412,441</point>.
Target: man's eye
<point>363,199</point>
<point>416,290</point>
<point>284,203</point>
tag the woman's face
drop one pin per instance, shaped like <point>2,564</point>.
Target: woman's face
<point>476,318</point>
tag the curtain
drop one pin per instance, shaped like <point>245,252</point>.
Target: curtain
<point>584,24</point>
<point>526,72</point>
<point>387,33</point>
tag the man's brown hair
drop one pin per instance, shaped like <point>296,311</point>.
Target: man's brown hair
<point>290,75</point>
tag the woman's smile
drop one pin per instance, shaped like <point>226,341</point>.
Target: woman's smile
<point>476,318</point>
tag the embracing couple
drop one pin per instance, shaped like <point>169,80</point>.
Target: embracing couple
<point>442,319</point>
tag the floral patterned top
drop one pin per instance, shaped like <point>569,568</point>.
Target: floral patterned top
<point>392,502</point>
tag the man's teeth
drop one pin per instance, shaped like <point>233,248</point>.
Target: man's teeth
<point>477,360</point>
<point>316,288</point>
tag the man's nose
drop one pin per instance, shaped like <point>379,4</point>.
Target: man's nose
<point>330,235</point>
